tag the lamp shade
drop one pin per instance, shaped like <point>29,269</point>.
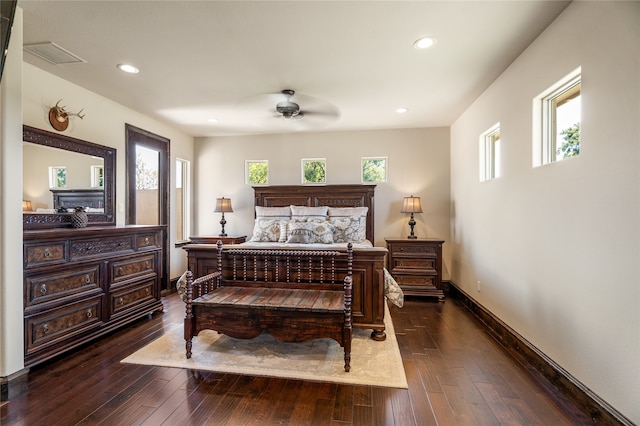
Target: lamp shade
<point>411,205</point>
<point>223,205</point>
<point>26,206</point>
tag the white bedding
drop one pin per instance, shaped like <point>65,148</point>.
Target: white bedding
<point>285,246</point>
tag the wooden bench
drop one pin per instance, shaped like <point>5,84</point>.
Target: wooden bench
<point>294,295</point>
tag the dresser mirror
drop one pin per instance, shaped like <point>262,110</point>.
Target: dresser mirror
<point>60,173</point>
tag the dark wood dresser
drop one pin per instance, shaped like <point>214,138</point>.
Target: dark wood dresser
<point>416,265</point>
<point>82,283</point>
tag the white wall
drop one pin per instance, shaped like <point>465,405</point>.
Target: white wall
<point>418,164</point>
<point>556,248</point>
<point>11,318</point>
<point>104,123</point>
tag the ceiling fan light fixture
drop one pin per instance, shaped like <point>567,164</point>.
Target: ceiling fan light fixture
<point>424,42</point>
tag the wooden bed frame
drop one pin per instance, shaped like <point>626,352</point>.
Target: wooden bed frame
<point>368,263</point>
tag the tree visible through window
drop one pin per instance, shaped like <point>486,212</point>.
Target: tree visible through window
<point>314,170</point>
<point>257,172</point>
<point>374,169</point>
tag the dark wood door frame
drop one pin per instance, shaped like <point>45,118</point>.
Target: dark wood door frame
<point>135,136</point>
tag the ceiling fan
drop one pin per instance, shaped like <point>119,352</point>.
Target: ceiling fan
<point>317,110</point>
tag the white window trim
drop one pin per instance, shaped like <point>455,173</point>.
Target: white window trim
<point>542,127</point>
<point>186,198</point>
<point>488,167</point>
<point>247,163</point>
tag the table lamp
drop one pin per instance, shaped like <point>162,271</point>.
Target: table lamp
<point>411,205</point>
<point>223,205</point>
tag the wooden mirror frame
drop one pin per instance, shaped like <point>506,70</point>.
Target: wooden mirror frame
<point>63,220</point>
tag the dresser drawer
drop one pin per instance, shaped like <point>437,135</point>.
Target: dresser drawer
<point>133,267</point>
<point>146,241</point>
<point>427,263</point>
<point>36,255</point>
<point>133,296</point>
<point>86,248</point>
<point>49,327</point>
<point>49,287</point>
<point>416,249</point>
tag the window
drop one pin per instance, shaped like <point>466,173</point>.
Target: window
<point>183,197</point>
<point>557,115</point>
<point>490,153</point>
<point>257,172</point>
<point>374,169</point>
<point>57,177</point>
<point>97,177</point>
<point>314,170</point>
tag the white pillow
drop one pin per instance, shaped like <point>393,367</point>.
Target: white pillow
<point>361,212</point>
<point>273,212</point>
<point>304,213</point>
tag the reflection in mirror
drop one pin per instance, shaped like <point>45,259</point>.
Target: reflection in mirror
<point>42,180</point>
<point>60,173</point>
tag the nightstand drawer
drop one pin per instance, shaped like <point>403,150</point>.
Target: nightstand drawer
<point>417,249</point>
<point>415,280</point>
<point>413,263</point>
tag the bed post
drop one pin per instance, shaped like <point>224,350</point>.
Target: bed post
<point>348,328</point>
<point>188,319</point>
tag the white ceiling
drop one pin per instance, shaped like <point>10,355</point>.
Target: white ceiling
<point>220,59</point>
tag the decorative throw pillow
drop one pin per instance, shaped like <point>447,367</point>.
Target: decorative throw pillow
<point>181,286</point>
<point>284,231</point>
<point>346,228</point>
<point>304,213</point>
<point>266,230</point>
<point>313,232</point>
<point>361,212</point>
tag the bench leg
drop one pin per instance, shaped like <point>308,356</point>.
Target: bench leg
<point>189,344</point>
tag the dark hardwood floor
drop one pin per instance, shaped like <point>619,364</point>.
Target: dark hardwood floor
<point>457,375</point>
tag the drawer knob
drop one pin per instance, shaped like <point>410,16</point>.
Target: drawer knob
<point>146,240</point>
<point>120,271</point>
<point>121,301</point>
<point>401,249</point>
<point>147,264</point>
<point>148,291</point>
<point>87,279</point>
<point>45,328</point>
<point>401,263</point>
<point>89,313</point>
<point>47,253</point>
<point>43,289</point>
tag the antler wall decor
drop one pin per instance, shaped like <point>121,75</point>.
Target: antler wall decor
<point>59,117</point>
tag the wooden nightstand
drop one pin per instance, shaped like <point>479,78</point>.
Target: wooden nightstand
<point>202,253</point>
<point>214,240</point>
<point>416,265</point>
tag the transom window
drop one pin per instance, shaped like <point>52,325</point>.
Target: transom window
<point>490,153</point>
<point>557,116</point>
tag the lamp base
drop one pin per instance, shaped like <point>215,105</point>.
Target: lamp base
<point>412,223</point>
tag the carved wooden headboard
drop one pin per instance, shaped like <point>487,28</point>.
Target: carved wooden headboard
<point>313,196</point>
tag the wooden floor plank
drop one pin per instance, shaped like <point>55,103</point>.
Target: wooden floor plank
<point>457,375</point>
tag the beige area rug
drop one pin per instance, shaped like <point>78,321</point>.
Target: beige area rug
<point>372,363</point>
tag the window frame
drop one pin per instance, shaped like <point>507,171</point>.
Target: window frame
<point>489,148</point>
<point>364,160</point>
<point>247,175</point>
<point>185,180</point>
<point>545,107</point>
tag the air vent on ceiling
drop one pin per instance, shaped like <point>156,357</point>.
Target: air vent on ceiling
<point>52,53</point>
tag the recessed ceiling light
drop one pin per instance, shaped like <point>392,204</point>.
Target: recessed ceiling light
<point>128,68</point>
<point>212,120</point>
<point>402,110</point>
<point>424,42</point>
